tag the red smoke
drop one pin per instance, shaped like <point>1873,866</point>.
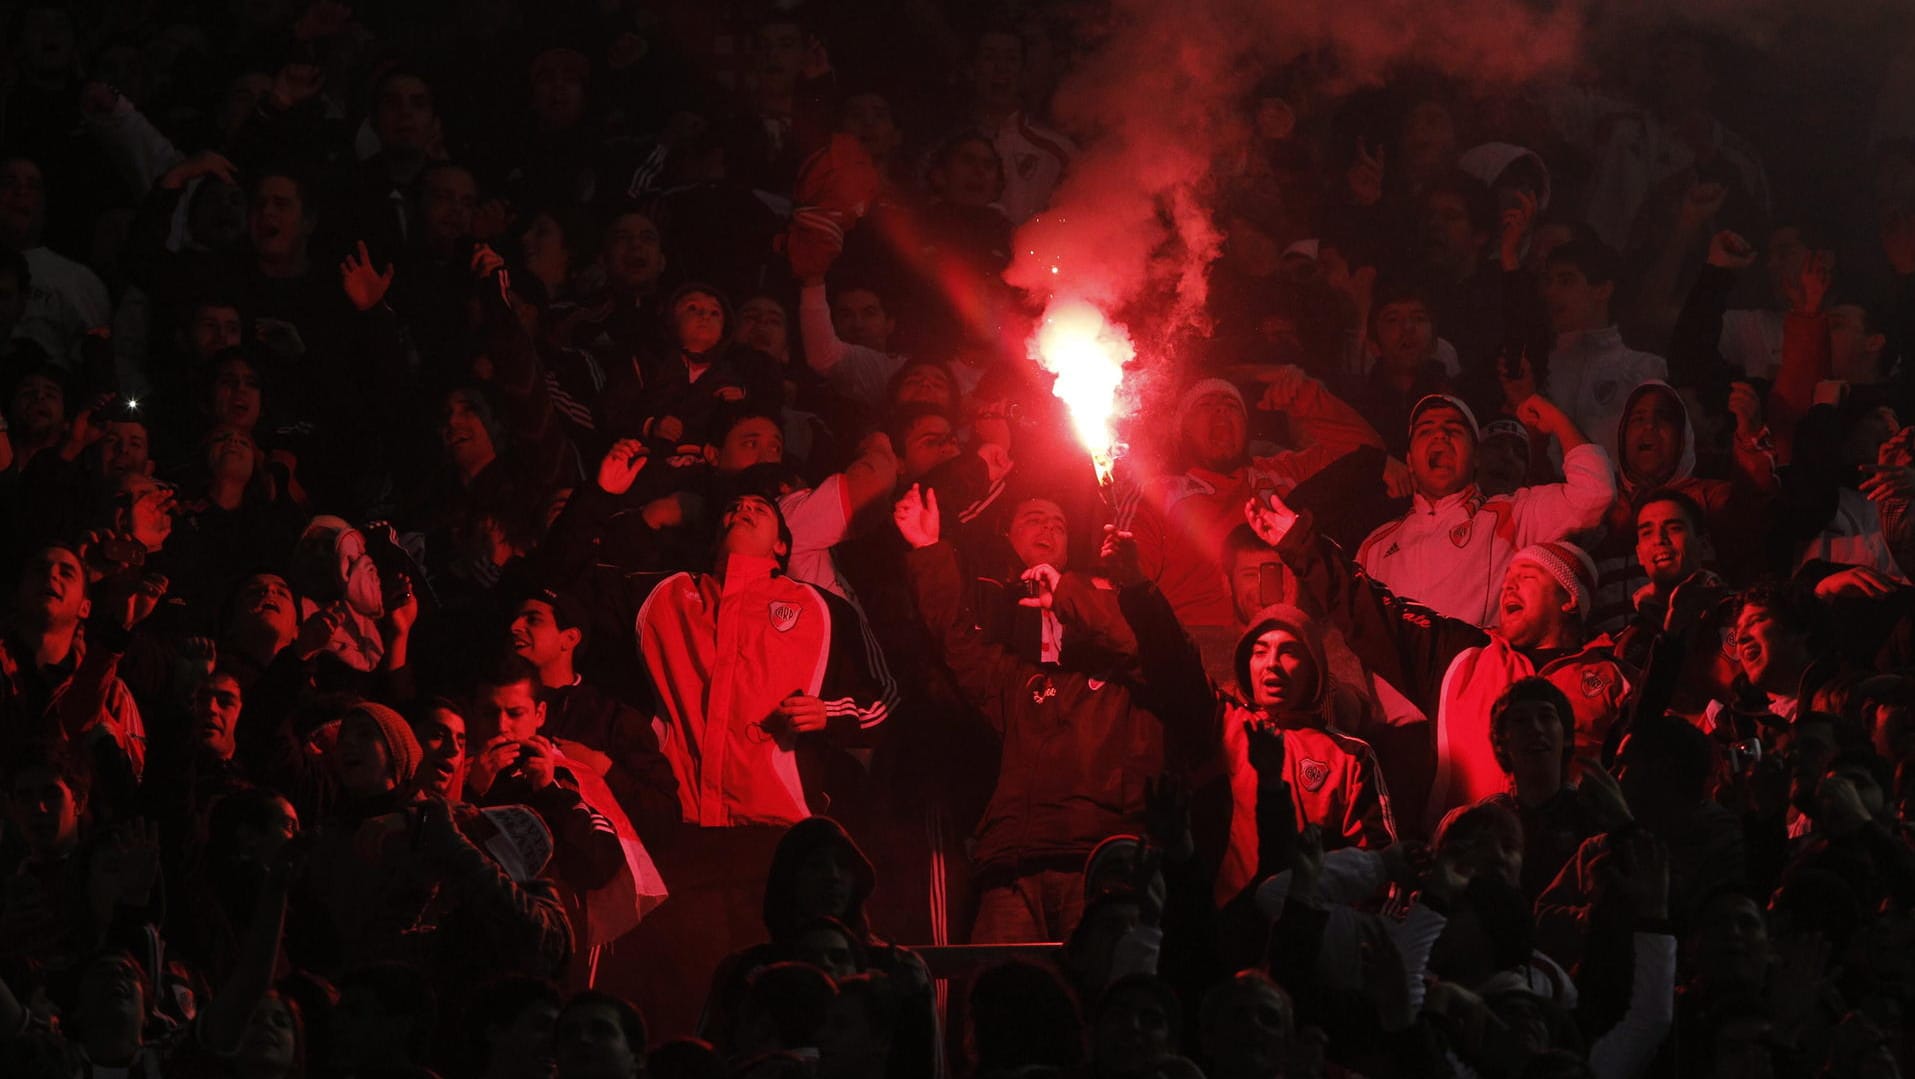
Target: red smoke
<point>1158,100</point>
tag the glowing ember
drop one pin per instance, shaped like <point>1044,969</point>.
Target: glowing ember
<point>1087,353</point>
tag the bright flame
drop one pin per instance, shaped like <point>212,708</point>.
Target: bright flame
<point>1087,353</point>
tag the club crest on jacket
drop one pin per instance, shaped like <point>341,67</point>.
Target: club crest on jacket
<point>1594,683</point>
<point>784,616</point>
<point>1314,773</point>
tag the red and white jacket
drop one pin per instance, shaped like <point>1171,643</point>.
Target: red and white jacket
<point>1334,783</point>
<point>1449,555</point>
<point>722,651</point>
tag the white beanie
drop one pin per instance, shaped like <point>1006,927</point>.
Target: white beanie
<point>1569,566</point>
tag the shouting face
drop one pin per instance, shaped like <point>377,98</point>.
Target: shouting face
<point>1039,534</point>
<point>1442,452</point>
<point>1532,606</point>
<point>1283,675</point>
<point>1652,438</point>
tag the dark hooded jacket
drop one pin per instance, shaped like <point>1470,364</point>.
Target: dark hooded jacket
<point>1333,778</point>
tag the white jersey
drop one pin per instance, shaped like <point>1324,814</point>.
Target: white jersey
<point>1449,555</point>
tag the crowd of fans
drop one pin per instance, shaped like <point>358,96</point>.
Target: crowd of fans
<point>538,551</point>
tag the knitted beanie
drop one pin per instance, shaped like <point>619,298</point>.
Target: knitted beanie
<point>401,746</point>
<point>1568,565</point>
<point>1203,388</point>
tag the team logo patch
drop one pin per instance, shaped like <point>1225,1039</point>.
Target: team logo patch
<point>1594,683</point>
<point>1460,534</point>
<point>784,616</point>
<point>1314,774</point>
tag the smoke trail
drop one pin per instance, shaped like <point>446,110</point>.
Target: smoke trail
<point>1157,97</point>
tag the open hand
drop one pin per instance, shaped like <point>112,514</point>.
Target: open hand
<point>1271,520</point>
<point>916,515</point>
<point>621,466</point>
<point>364,286</point>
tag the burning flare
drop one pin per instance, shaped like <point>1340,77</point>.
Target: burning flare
<point>1087,353</point>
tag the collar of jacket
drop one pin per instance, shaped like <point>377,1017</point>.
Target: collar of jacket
<point>1200,479</point>
<point>738,571</point>
<point>1471,496</point>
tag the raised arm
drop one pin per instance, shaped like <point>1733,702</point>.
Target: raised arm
<point>1551,511</point>
<point>1326,427</point>
<point>1695,344</point>
<point>1406,645</point>
<point>982,669</point>
<point>136,147</point>
<point>872,476</point>
<point>1806,359</point>
<point>572,545</point>
<point>1174,679</point>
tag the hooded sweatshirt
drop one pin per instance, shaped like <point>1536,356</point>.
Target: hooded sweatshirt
<point>1488,161</point>
<point>1592,373</point>
<point>1333,778</point>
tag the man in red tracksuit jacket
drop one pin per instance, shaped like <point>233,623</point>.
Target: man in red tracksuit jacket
<point>760,682</point>
<point>1078,742</point>
<point>1333,778</point>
